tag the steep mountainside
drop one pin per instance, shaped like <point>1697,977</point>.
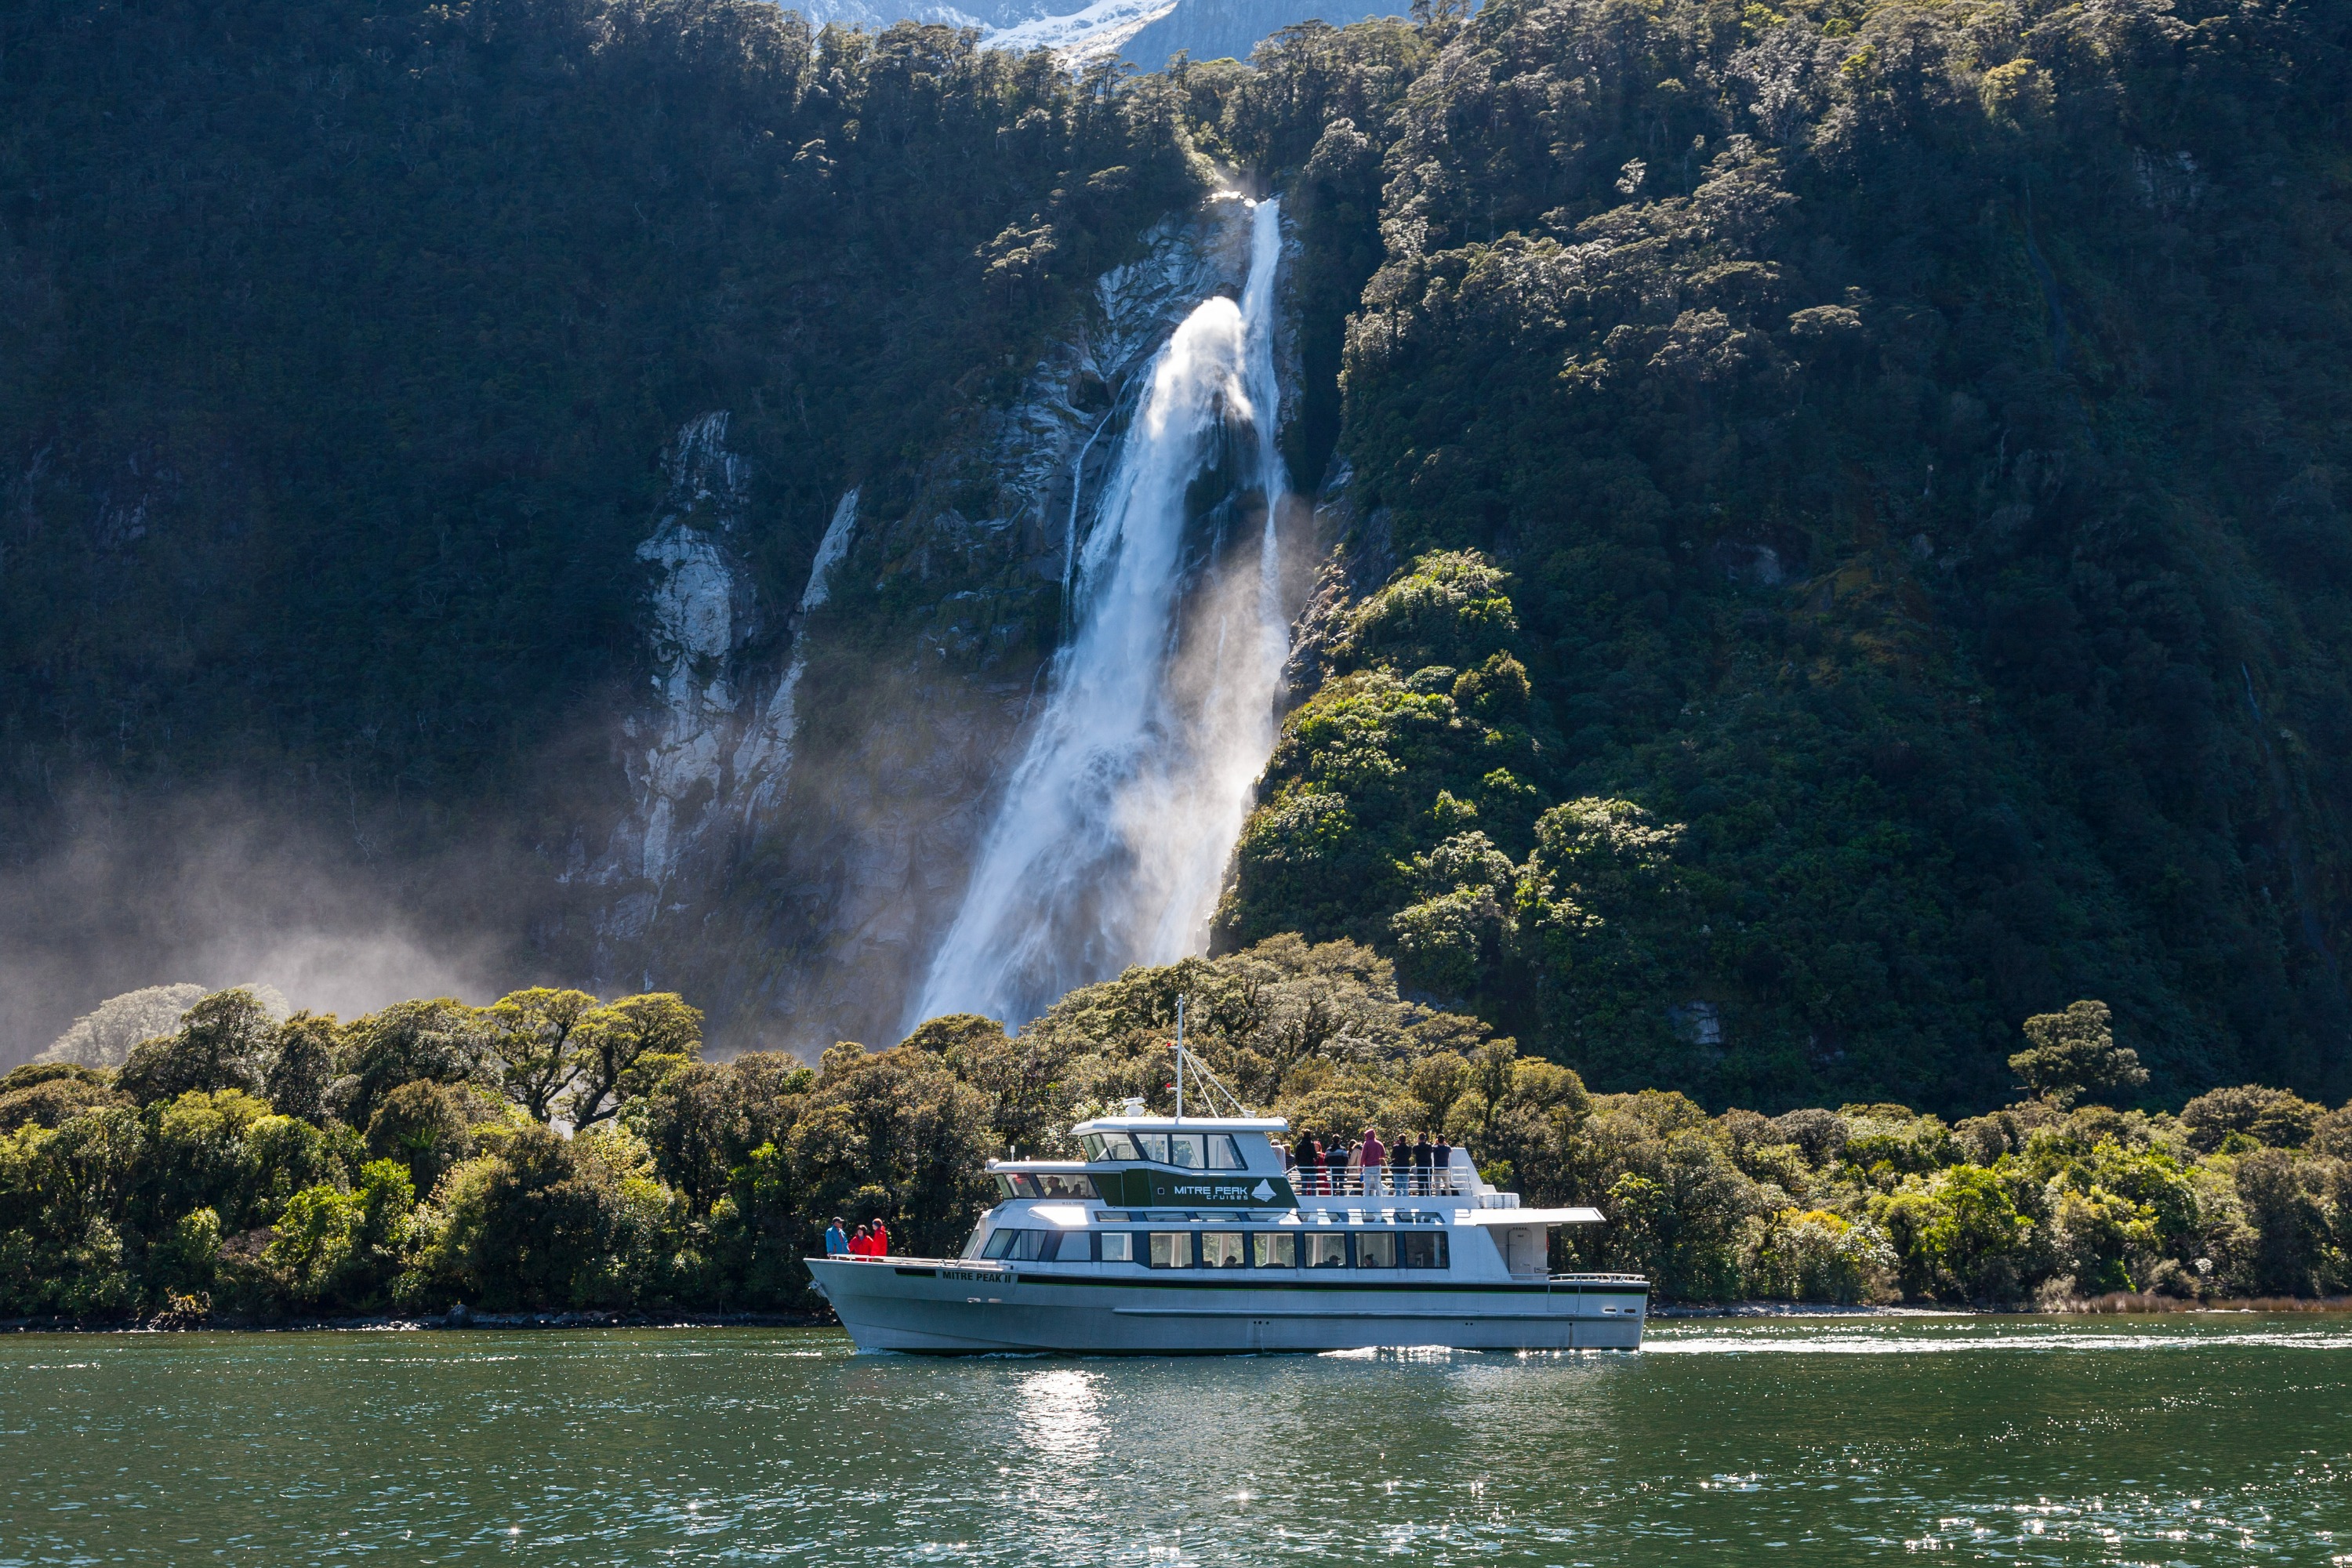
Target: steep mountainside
<point>1832,543</point>
<point>1909,436</point>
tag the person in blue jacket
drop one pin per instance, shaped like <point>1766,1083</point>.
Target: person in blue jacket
<point>836,1240</point>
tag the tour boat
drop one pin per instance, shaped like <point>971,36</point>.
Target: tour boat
<point>1180,1234</point>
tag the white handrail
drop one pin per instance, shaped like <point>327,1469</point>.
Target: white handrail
<point>1390,1181</point>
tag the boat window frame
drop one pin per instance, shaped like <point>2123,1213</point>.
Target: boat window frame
<point>1261,1245</point>
<point>1106,1147</point>
<point>1021,1245</point>
<point>1188,1250</point>
<point>1431,1241</point>
<point>1224,1142</point>
<point>1144,1150</point>
<point>1123,1241</point>
<point>1371,1241</point>
<point>1236,1238</point>
<point>1317,1241</point>
<point>1085,1191</point>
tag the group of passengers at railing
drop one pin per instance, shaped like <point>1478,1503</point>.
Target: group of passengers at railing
<point>871,1241</point>
<point>1411,1167</point>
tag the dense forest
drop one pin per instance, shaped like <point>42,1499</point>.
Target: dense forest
<point>553,1152</point>
<point>1834,554</point>
<point>1884,453</point>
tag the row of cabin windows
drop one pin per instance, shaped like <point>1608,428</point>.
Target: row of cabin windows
<point>1224,1248</point>
<point>1047,1184</point>
<point>1187,1151</point>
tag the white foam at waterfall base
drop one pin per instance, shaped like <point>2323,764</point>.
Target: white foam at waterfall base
<point>1116,823</point>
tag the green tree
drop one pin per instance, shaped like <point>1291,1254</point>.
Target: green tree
<point>226,1040</point>
<point>533,1039</point>
<point>442,1040</point>
<point>626,1048</point>
<point>2074,1053</point>
<point>302,1066</point>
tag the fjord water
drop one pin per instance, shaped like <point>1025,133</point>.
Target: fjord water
<point>1115,826</point>
<point>2206,1440</point>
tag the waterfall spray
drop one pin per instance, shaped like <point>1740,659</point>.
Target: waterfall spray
<point>1112,837</point>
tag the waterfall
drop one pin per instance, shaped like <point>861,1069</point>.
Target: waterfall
<point>764,760</point>
<point>1116,825</point>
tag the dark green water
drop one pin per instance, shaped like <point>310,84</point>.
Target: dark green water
<point>2217,1439</point>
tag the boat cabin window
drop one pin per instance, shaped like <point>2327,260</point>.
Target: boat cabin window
<point>1274,1249</point>
<point>1420,1249</point>
<point>1118,1246</point>
<point>1186,1151</point>
<point>1172,1249</point>
<point>1221,1249</point>
<point>1375,1249</point>
<point>1024,1246</point>
<point>1327,1249</point>
<point>1047,1184</point>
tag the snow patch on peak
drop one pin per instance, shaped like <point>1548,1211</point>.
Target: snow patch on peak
<point>1100,29</point>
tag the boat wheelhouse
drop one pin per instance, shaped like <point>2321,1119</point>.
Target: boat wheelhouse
<point>1178,1234</point>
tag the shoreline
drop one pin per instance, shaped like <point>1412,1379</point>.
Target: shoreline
<point>463,1319</point>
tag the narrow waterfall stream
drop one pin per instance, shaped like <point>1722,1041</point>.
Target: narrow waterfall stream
<point>1117,822</point>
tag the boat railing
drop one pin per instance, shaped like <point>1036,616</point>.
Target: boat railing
<point>1402,1182</point>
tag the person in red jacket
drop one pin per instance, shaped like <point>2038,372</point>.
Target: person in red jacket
<point>881,1240</point>
<point>862,1243</point>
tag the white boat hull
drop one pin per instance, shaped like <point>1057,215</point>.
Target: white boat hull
<point>958,1307</point>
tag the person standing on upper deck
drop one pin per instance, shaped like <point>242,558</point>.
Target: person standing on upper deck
<point>1373,1154</point>
<point>881,1240</point>
<point>836,1240</point>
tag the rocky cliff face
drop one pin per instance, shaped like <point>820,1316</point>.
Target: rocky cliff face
<point>808,781</point>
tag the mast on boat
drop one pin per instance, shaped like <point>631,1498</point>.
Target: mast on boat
<point>1212,1087</point>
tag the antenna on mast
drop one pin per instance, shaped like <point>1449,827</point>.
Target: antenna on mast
<point>1222,1100</point>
